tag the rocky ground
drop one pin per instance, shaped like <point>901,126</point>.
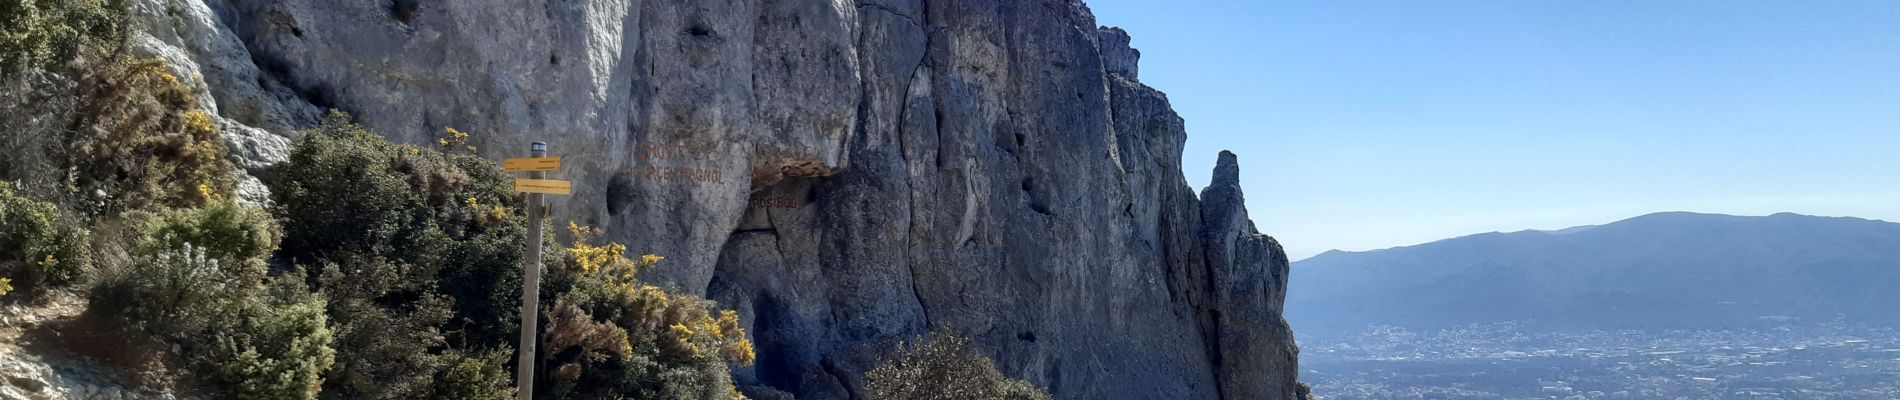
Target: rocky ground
<point>32,368</point>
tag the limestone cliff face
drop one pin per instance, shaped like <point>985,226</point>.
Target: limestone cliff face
<point>845,174</point>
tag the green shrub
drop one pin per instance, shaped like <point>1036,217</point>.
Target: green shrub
<point>174,293</point>
<point>418,251</point>
<point>388,330</point>
<point>272,348</point>
<point>213,306</point>
<point>37,34</point>
<point>39,249</point>
<point>186,264</point>
<point>943,367</point>
<point>608,333</point>
<point>225,230</point>
<point>480,375</point>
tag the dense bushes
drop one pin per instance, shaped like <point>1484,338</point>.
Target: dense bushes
<point>608,333</point>
<point>272,346</point>
<point>121,140</point>
<point>105,131</point>
<point>186,264</point>
<point>198,282</point>
<point>39,248</point>
<point>943,366</point>
<point>398,269</point>
<point>139,141</point>
<point>38,34</point>
<point>419,253</point>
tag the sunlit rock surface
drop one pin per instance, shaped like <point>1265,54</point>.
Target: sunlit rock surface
<point>846,175</point>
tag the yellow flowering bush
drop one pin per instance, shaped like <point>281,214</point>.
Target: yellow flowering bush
<point>144,142</point>
<point>490,215</point>
<point>455,140</point>
<point>610,333</point>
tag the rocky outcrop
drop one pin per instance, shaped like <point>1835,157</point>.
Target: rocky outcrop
<point>847,175</point>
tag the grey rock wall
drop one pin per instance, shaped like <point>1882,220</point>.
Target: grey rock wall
<point>847,175</point>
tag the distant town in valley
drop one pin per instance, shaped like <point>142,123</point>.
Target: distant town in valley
<point>1499,361</point>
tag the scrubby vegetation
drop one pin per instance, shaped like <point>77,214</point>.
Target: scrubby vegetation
<point>197,281</point>
<point>119,182</point>
<point>93,128</point>
<point>419,253</point>
<point>44,46</point>
<point>47,34</point>
<point>381,271</point>
<point>39,247</point>
<point>943,367</point>
<point>139,141</point>
<point>422,271</point>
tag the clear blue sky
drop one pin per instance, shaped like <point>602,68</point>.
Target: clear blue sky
<point>1370,124</point>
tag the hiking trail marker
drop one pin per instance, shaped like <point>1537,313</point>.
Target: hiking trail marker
<point>535,187</point>
<point>532,164</point>
<point>544,186</point>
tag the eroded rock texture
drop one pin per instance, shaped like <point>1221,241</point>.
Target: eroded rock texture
<point>847,175</point>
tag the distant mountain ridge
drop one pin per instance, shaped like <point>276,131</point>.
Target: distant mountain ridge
<point>1656,271</point>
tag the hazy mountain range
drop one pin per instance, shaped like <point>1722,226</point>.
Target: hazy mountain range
<point>1657,271</point>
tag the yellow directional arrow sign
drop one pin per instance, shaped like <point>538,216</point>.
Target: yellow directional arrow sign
<point>544,186</point>
<point>531,164</point>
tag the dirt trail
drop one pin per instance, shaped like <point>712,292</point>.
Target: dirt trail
<point>34,365</point>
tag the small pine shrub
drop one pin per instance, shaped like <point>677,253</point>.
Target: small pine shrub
<point>943,367</point>
<point>479,375</point>
<point>39,248</point>
<point>609,333</point>
<point>272,348</point>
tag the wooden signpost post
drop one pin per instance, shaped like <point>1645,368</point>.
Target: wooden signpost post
<point>535,187</point>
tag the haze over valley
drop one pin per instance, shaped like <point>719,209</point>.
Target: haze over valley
<point>1657,306</point>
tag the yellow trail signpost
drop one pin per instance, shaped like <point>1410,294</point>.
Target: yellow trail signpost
<point>532,164</point>
<point>544,186</point>
<point>535,187</point>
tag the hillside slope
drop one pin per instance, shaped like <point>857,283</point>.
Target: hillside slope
<point>1665,270</point>
<point>845,175</point>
